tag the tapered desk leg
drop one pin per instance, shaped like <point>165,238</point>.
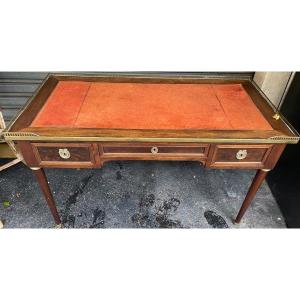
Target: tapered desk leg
<point>256,183</point>
<point>42,180</point>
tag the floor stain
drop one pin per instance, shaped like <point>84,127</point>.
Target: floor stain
<point>69,221</point>
<point>140,219</point>
<point>127,196</point>
<point>152,214</point>
<point>165,222</point>
<point>118,175</point>
<point>215,220</point>
<point>120,165</point>
<point>72,199</point>
<point>147,201</point>
<point>81,214</point>
<point>144,216</point>
<point>164,212</point>
<point>98,218</point>
<point>78,191</point>
<point>171,205</point>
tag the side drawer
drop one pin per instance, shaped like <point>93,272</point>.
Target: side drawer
<point>64,154</point>
<point>238,156</point>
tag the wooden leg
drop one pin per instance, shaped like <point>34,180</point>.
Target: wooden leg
<point>256,183</point>
<point>42,180</point>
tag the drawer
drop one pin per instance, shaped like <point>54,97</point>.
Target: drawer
<point>64,154</point>
<point>244,156</point>
<point>154,151</point>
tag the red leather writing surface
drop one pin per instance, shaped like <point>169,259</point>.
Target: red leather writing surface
<point>150,106</point>
<point>63,105</point>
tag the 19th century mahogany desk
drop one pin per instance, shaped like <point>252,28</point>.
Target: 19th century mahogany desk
<point>82,122</point>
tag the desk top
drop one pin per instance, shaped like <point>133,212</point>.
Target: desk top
<point>150,106</point>
<point>133,108</point>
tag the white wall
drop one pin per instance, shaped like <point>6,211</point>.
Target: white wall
<point>272,84</point>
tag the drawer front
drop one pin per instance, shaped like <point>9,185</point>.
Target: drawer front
<point>154,151</point>
<point>55,154</point>
<point>244,156</point>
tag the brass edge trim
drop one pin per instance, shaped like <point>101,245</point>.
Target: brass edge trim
<point>35,168</point>
<point>33,137</point>
<point>10,137</point>
<point>285,138</point>
<point>296,139</point>
<point>7,135</point>
<point>155,75</point>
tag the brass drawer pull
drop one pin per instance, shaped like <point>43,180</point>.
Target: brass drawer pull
<point>64,153</point>
<point>154,150</point>
<point>241,154</point>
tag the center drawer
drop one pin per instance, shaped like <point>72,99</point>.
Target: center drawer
<point>153,150</point>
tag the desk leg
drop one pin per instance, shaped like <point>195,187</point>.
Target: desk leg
<point>42,180</point>
<point>256,183</point>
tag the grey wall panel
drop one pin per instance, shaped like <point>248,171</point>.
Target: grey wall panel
<point>20,87</point>
<point>9,114</point>
<point>15,90</point>
<point>7,101</point>
<point>17,87</point>
<point>23,75</point>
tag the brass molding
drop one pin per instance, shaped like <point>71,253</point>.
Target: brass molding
<point>286,139</point>
<point>26,136</point>
<point>16,135</point>
<point>35,168</point>
<point>156,75</point>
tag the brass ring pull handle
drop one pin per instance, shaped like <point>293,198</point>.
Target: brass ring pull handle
<point>154,150</point>
<point>241,154</point>
<point>64,153</point>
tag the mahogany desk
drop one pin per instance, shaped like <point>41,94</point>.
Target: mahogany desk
<point>82,122</point>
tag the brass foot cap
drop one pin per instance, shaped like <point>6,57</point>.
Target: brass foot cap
<point>57,226</point>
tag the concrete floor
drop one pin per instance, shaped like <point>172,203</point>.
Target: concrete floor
<point>137,194</point>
